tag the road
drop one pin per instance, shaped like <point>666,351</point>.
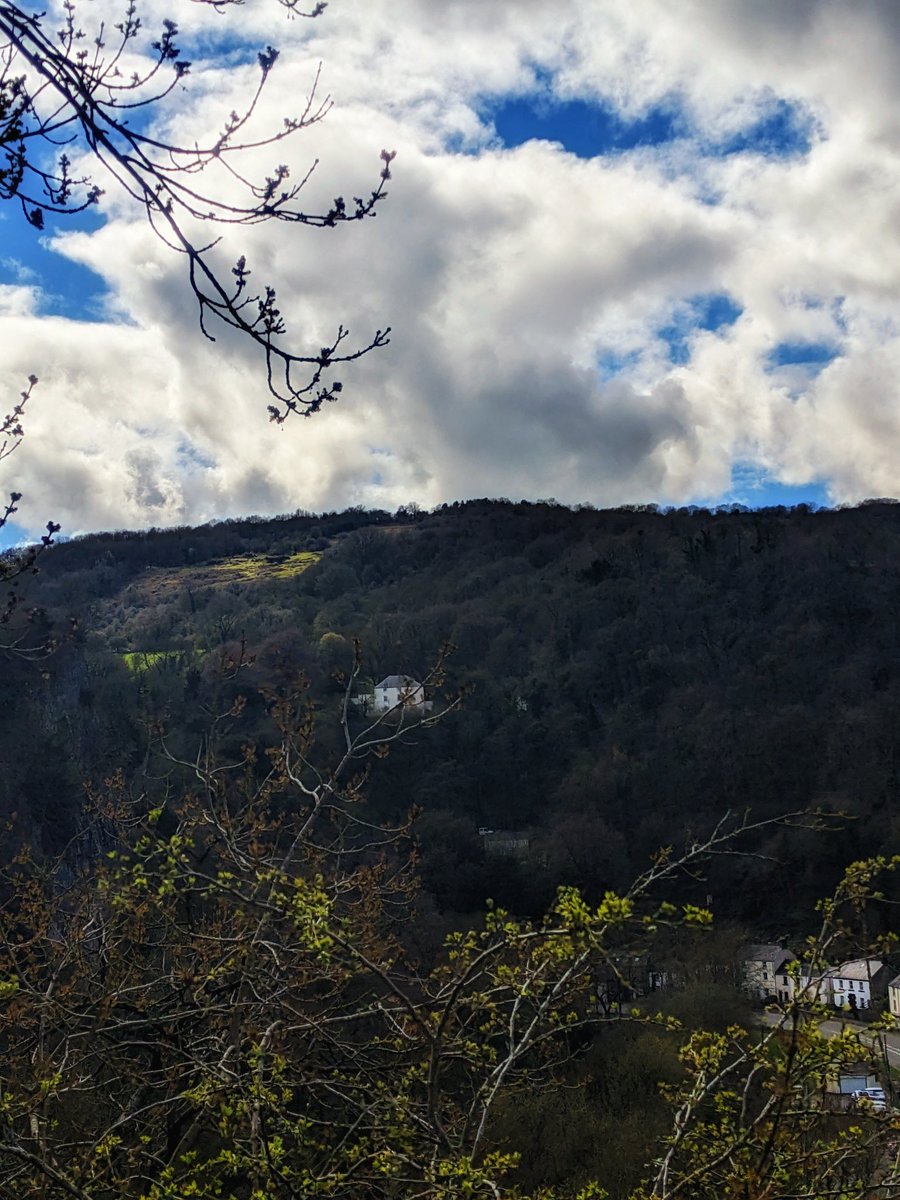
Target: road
<point>832,1026</point>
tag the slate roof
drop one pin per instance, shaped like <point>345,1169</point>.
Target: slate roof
<point>767,953</point>
<point>858,968</point>
<point>398,681</point>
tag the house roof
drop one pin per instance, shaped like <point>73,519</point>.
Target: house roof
<point>858,968</point>
<point>398,681</point>
<point>767,953</point>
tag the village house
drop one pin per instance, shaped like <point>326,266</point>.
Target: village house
<point>764,972</point>
<point>812,984</point>
<point>894,996</point>
<point>395,693</point>
<point>858,984</point>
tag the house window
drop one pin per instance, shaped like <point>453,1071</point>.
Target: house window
<point>784,980</point>
<point>765,974</point>
<point>851,985</point>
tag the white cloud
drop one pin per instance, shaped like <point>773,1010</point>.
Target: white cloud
<point>18,300</point>
<point>507,274</point>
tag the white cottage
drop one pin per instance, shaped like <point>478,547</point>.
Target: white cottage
<point>398,692</point>
<point>812,985</point>
<point>858,984</point>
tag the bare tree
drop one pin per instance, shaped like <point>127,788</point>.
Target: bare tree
<point>753,1118</point>
<point>15,563</point>
<point>228,1004</point>
<point>66,93</point>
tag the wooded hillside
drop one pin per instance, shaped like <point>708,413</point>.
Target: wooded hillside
<point>630,675</point>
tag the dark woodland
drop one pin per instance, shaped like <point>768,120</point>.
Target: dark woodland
<point>629,676</point>
<point>604,685</point>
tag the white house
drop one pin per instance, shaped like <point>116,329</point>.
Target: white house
<point>812,985</point>
<point>764,971</point>
<point>858,984</point>
<point>395,693</point>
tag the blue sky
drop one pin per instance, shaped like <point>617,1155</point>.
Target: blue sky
<point>26,257</point>
<point>589,128</point>
<point>585,128</point>
<point>628,255</point>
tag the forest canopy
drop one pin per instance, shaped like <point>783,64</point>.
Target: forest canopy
<point>630,673</point>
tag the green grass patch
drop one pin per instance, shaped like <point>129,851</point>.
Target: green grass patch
<point>138,661</point>
<point>252,567</point>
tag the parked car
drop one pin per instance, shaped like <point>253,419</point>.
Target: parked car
<point>871,1095</point>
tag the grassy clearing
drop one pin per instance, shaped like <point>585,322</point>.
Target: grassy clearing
<point>138,661</point>
<point>252,567</point>
<point>162,584</point>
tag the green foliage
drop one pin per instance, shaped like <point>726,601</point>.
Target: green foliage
<point>227,1003</point>
<point>140,661</point>
<point>254,567</point>
<point>220,1009</point>
<point>231,1001</point>
<point>251,1006</point>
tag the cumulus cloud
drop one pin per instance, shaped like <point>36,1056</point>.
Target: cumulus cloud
<point>548,336</point>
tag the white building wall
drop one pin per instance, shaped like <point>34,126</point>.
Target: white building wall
<point>814,987</point>
<point>391,697</point>
<point>843,989</point>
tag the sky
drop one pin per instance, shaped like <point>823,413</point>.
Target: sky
<point>631,253</point>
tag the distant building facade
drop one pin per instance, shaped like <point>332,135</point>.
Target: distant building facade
<point>812,984</point>
<point>395,693</point>
<point>505,843</point>
<point>858,984</point>
<point>765,976</point>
